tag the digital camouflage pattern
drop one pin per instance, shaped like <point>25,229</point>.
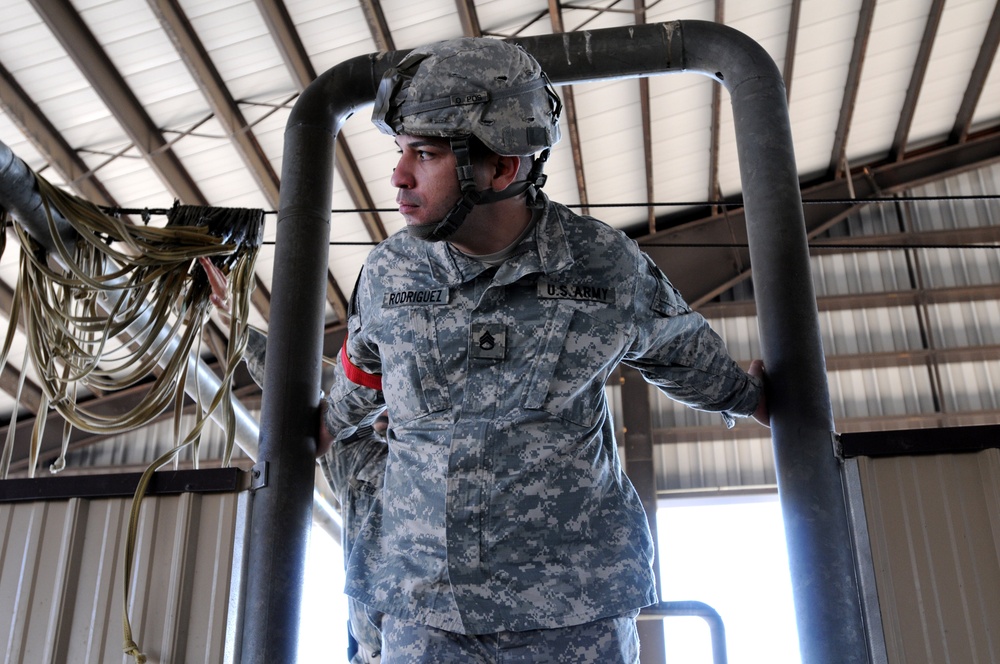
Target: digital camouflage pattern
<point>608,641</point>
<point>504,506</point>
<point>487,88</point>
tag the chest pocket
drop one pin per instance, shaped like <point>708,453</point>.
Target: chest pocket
<point>575,356</point>
<point>415,383</point>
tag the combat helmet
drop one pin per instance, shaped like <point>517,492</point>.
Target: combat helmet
<point>472,87</point>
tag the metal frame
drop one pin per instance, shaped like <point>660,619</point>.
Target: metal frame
<point>811,486</point>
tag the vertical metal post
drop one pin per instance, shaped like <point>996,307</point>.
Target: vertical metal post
<point>810,481</point>
<point>282,510</point>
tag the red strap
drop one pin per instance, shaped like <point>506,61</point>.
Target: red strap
<point>356,375</point>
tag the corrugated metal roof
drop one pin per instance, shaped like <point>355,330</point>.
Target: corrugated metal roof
<point>891,317</point>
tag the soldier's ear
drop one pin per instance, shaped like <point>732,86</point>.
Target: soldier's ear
<point>505,172</point>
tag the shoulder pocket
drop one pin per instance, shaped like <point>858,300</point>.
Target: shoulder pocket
<point>575,356</point>
<point>667,301</point>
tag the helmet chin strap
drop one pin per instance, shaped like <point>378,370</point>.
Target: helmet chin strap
<point>442,230</point>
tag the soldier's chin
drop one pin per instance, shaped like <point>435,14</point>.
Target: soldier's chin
<point>423,231</point>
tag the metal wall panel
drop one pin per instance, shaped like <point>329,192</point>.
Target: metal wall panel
<point>714,466</point>
<point>934,527</point>
<point>61,578</point>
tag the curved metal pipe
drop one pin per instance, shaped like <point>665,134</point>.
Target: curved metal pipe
<point>19,196</point>
<point>809,479</point>
<point>716,627</point>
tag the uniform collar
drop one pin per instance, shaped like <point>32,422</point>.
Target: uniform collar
<point>545,250</point>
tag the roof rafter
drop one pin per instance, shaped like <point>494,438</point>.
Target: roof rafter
<point>714,191</point>
<point>469,18</point>
<point>790,46</point>
<point>977,80</point>
<point>378,25</point>
<point>569,119</point>
<point>181,33</point>
<point>916,81</point>
<point>646,115</point>
<point>839,156</point>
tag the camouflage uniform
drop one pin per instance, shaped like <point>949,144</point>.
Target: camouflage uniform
<point>354,470</point>
<point>505,507</point>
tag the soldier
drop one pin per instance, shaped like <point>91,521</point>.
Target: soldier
<point>506,529</point>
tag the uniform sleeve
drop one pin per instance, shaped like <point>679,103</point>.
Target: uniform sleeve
<point>676,350</point>
<point>356,390</point>
<point>357,455</point>
<point>254,354</point>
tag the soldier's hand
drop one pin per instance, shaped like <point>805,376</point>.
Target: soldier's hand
<point>762,414</point>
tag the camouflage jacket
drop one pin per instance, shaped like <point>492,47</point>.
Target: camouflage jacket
<point>504,504</point>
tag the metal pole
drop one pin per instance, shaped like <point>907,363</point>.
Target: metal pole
<point>282,510</point>
<point>810,485</point>
<point>810,480</point>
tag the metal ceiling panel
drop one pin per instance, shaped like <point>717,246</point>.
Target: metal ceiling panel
<point>331,32</point>
<point>681,128</point>
<point>416,23</point>
<point>240,46</point>
<point>866,331</point>
<point>506,18</point>
<point>608,114</point>
<point>700,467</point>
<point>873,393</point>
<point>741,335</point>
<point>971,386</point>
<point>822,59</point>
<point>960,324</point>
<point>216,166</point>
<point>841,274</point>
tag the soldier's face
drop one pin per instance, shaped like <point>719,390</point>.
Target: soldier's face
<point>425,179</point>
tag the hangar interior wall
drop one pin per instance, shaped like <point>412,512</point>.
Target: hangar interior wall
<point>62,575</point>
<point>933,523</point>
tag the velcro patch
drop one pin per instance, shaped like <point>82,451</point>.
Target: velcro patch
<point>404,298</point>
<point>580,292</point>
<point>489,342</point>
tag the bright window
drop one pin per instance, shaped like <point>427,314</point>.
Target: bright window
<point>730,554</point>
<point>323,627</point>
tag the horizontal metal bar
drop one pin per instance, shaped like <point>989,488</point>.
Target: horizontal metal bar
<point>211,480</point>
